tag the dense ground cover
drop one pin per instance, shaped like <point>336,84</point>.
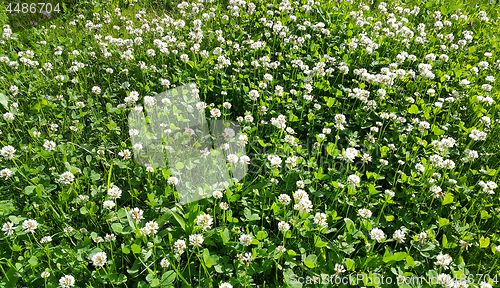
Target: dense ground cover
<point>371,134</point>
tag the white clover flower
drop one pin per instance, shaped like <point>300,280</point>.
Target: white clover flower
<point>275,161</point>
<point>291,161</point>
<point>399,236</point>
<point>8,152</point>
<point>485,285</point>
<point>443,260</point>
<point>365,213</point>
<point>8,228</point>
<point>136,214</point>
<point>217,194</point>
<point>152,227</point>
<point>377,234</point>
<point>304,206</point>
<point>205,221</point>
<point>284,199</point>
<point>6,173</point>
<point>349,154</point>
<point>243,140</point>
<point>114,192</point>
<point>149,101</point>
<point>173,180</point>
<point>244,159</point>
<point>8,116</point>
<point>138,147</point>
<point>232,158</point>
<point>49,145</point>
<point>110,237</point>
<point>67,178</point>
<point>45,275</point>
<point>300,195</point>
<point>245,239</point>
<point>99,259</point>
<point>354,179</point>
<point>108,204</point>
<point>67,281</point>
<point>184,58</point>
<point>320,219</point>
<point>254,95</point>
<point>339,269</point>
<point>196,240</point>
<point>96,90</point>
<point>145,231</point>
<point>180,246</point>
<point>478,135</point>
<point>436,191</point>
<point>164,263</point>
<point>283,226</point>
<point>46,239</point>
<point>389,193</point>
<point>268,77</point>
<point>215,113</point>
<point>224,206</point>
<point>30,226</point>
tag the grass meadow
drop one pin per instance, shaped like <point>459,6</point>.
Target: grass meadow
<point>369,132</point>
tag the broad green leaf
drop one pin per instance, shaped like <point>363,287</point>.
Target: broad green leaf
<point>206,258</point>
<point>310,261</point>
<point>329,101</point>
<point>4,100</point>
<point>29,190</point>
<point>250,216</point>
<point>320,244</point>
<point>410,261</point>
<point>485,214</point>
<point>351,265</point>
<point>447,199</point>
<point>167,278</point>
<point>224,234</point>
<point>261,235</point>
<point>117,227</point>
<point>446,244</point>
<point>33,260</point>
<point>372,189</point>
<point>484,242</point>
<point>443,222</point>
<point>136,248</point>
<point>413,109</point>
<point>399,256</point>
<point>388,256</point>
<point>178,218</point>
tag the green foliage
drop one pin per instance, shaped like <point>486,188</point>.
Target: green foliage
<point>379,169</point>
